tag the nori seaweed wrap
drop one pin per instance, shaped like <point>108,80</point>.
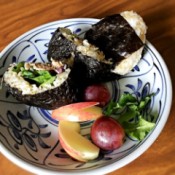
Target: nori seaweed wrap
<point>121,37</point>
<point>44,85</point>
<point>87,70</point>
<point>112,47</point>
<point>86,60</point>
<point>62,46</point>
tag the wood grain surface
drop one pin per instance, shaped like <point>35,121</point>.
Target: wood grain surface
<point>19,16</point>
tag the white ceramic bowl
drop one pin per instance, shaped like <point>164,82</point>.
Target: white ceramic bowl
<point>29,136</point>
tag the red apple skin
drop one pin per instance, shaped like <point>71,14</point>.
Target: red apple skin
<point>107,133</point>
<point>77,112</point>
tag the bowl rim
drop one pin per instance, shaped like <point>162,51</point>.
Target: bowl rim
<point>109,167</point>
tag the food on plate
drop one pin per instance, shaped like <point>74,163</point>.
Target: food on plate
<point>109,127</point>
<point>77,146</point>
<point>82,111</point>
<point>45,85</point>
<point>86,60</point>
<point>107,133</point>
<point>112,47</point>
<point>121,37</point>
<point>97,92</point>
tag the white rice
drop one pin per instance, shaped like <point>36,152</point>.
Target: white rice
<point>84,47</point>
<point>137,23</point>
<point>16,81</point>
<point>131,60</point>
<point>90,50</point>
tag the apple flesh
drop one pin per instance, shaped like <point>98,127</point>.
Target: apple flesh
<point>107,133</point>
<point>74,143</point>
<point>82,111</point>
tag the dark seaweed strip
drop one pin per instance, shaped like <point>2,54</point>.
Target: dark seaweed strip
<point>65,94</point>
<point>114,36</point>
<point>88,70</point>
<point>60,48</point>
<point>85,70</point>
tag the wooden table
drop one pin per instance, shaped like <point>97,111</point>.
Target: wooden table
<point>19,16</point>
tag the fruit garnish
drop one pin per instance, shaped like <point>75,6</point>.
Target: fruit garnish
<point>82,111</point>
<point>76,145</point>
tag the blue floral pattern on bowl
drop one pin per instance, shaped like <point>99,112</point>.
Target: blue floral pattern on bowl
<point>31,134</point>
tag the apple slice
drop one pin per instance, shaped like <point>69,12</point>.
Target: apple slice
<point>82,111</point>
<point>74,143</point>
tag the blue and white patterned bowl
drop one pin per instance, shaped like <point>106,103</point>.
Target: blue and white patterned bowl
<point>29,136</point>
